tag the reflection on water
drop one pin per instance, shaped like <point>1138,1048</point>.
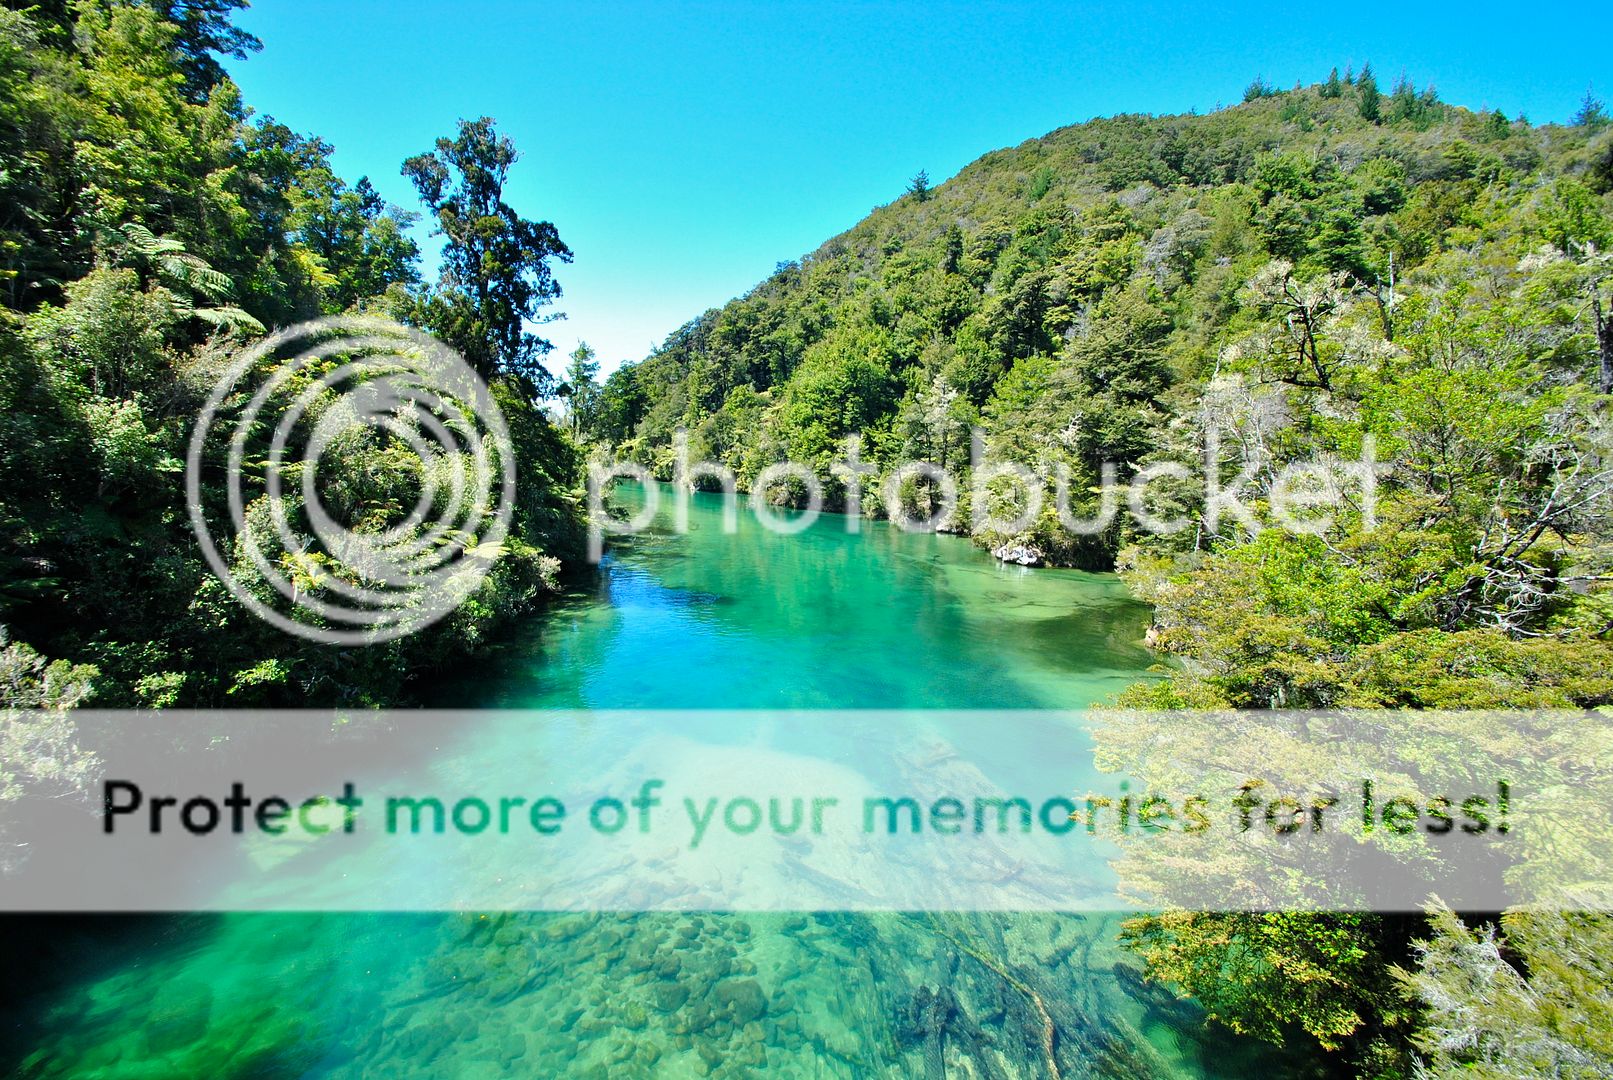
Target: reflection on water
<point>823,619</point>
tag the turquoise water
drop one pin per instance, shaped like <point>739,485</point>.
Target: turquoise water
<point>824,619</point>
<point>703,619</point>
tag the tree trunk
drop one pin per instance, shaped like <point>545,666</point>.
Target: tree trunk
<point>1604,344</point>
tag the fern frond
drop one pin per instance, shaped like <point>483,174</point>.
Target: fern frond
<point>232,317</point>
<point>147,243</point>
<point>213,284</point>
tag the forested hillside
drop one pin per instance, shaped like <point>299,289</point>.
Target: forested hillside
<point>1283,280</point>
<point>1074,294</point>
<point>150,227</point>
<point>1291,279</point>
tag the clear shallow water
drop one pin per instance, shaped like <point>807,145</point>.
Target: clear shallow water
<point>703,620</point>
<point>823,619</point>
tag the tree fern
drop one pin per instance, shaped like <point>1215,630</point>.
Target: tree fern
<point>186,278</point>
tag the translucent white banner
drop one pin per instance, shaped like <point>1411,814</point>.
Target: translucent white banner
<point>794,811</point>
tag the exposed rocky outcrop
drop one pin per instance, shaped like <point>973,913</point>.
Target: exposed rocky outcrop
<point>1019,554</point>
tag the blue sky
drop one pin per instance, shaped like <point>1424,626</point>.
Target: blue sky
<point>683,149</point>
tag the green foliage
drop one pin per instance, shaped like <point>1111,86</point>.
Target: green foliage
<point>495,275</point>
<point>1275,974</point>
<point>111,333</point>
<point>1480,669</point>
<point>919,186</point>
<point>35,146</point>
<point>1041,183</point>
<point>202,29</point>
<point>1308,970</point>
<point>581,389</point>
<point>40,754</point>
<point>1537,1003</point>
<point>145,228</point>
<point>1408,106</point>
<point>1572,218</point>
<point>841,388</point>
<point>343,247</point>
<point>1258,89</point>
<point>1592,112</point>
<point>186,277</point>
<point>1369,99</point>
<point>1297,276</point>
<point>30,682</point>
<point>121,139</point>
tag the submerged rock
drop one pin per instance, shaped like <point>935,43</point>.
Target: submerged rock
<point>422,1043</point>
<point>670,997</point>
<point>743,999</point>
<point>512,1047</point>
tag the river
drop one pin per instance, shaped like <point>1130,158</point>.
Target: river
<point>701,618</point>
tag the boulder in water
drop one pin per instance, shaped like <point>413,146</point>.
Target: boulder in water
<point>1019,554</point>
<point>670,996</point>
<point>743,999</point>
